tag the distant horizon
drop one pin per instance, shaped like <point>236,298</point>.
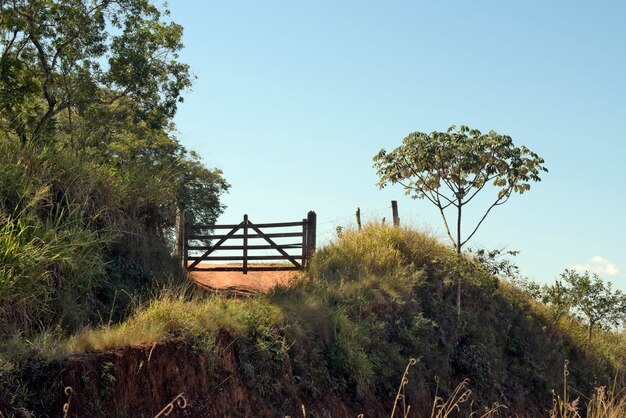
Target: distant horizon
<point>292,101</point>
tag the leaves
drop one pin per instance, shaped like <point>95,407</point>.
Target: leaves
<point>589,296</point>
<point>450,168</point>
<point>62,55</point>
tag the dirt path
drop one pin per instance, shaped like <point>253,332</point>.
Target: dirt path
<point>237,282</point>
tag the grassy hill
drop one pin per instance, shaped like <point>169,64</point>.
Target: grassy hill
<point>337,341</point>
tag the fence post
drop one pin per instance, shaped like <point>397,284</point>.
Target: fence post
<point>358,217</point>
<point>186,229</point>
<point>394,211</point>
<point>304,243</point>
<point>311,234</point>
<point>245,244</point>
<point>180,234</point>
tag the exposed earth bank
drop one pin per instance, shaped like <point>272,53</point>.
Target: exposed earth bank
<point>141,381</point>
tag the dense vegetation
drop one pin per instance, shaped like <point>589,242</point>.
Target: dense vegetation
<point>91,173</point>
<point>370,301</point>
<point>91,177</point>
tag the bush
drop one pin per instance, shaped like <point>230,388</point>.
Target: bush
<point>82,237</point>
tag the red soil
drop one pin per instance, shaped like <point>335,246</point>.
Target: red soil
<point>140,381</point>
<point>236,281</point>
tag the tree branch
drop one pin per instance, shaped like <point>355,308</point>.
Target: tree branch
<point>496,203</point>
<point>41,53</point>
<point>9,45</point>
<point>413,188</point>
<point>445,222</point>
<point>476,192</point>
<point>418,175</point>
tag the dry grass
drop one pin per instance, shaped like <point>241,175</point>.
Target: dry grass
<point>604,403</point>
<point>170,317</point>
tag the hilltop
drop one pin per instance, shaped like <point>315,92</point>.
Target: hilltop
<point>337,341</point>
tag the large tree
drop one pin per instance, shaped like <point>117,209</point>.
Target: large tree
<point>90,164</point>
<point>450,168</point>
<point>73,55</point>
<point>103,78</point>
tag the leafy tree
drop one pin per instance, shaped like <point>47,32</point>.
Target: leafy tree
<point>559,298</point>
<point>600,305</point>
<point>73,55</point>
<point>166,174</point>
<point>450,168</point>
<point>88,91</point>
<point>102,77</point>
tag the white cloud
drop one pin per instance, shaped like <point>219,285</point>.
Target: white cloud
<point>598,265</point>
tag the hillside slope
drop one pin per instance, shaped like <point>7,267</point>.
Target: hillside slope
<point>337,341</point>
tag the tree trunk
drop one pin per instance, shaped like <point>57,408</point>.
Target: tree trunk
<point>458,251</point>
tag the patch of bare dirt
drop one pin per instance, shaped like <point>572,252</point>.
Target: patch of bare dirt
<point>237,282</point>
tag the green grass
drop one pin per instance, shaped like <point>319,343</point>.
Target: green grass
<point>167,317</point>
<point>369,301</point>
<point>40,256</point>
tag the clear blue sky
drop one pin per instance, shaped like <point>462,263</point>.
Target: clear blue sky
<point>293,99</point>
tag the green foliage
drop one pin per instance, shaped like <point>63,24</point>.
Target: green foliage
<point>496,263</point>
<point>559,298</point>
<point>80,237</point>
<point>91,175</point>
<point>150,161</point>
<point>60,56</point>
<point>450,168</point>
<point>350,323</point>
<point>49,258</point>
<point>592,298</point>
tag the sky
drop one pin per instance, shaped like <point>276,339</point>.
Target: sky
<point>293,99</point>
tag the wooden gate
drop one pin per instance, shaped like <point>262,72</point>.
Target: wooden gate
<point>293,255</point>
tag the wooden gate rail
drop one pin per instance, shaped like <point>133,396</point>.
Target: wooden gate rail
<point>246,231</point>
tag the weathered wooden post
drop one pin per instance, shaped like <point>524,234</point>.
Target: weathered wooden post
<point>180,235</point>
<point>304,243</point>
<point>186,230</point>
<point>358,217</point>
<point>394,211</point>
<point>245,244</point>
<point>311,235</point>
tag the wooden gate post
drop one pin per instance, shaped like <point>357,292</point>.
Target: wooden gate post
<point>311,235</point>
<point>305,262</point>
<point>394,211</point>
<point>186,230</point>
<point>358,218</point>
<point>245,244</point>
<point>180,235</point>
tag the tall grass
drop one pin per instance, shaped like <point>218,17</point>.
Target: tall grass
<point>50,256</point>
<point>371,299</point>
<point>377,250</point>
<point>605,402</point>
<point>79,239</point>
<point>41,260</point>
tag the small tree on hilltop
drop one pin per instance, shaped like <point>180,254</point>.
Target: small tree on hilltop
<point>450,168</point>
<point>599,304</point>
